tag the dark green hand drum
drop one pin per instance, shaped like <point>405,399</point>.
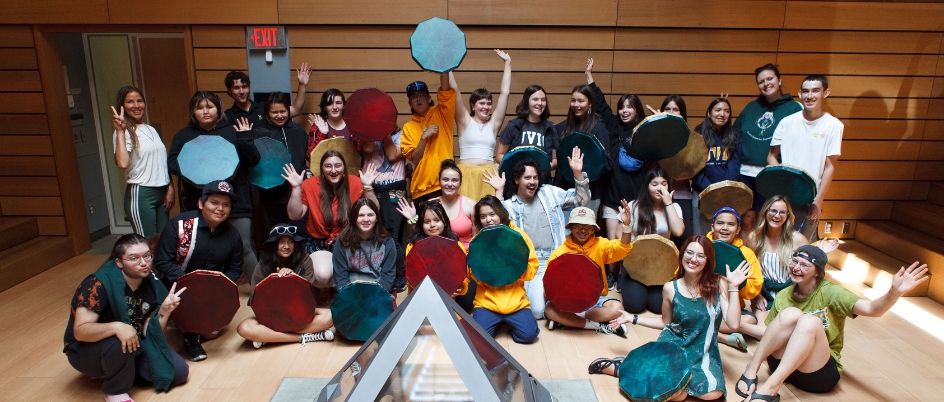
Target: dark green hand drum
<point>660,136</point>
<point>210,302</point>
<point>727,255</point>
<point>438,45</point>
<point>268,172</point>
<point>207,158</point>
<point>656,372</point>
<point>439,258</point>
<point>360,308</point>
<point>498,255</point>
<point>789,181</point>
<point>284,304</point>
<point>521,153</point>
<point>573,282</point>
<point>370,114</point>
<point>594,155</point>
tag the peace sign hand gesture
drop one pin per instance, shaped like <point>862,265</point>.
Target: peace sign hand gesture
<point>172,300</point>
<point>118,119</point>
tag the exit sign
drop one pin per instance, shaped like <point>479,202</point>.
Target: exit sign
<point>262,37</point>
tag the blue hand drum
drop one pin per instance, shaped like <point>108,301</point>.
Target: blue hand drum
<point>521,153</point>
<point>268,172</point>
<point>207,158</point>
<point>360,308</point>
<point>438,45</point>
<point>656,372</point>
<point>727,255</point>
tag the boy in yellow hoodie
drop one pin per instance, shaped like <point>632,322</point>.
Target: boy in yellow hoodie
<point>583,240</point>
<point>507,304</point>
<point>427,138</point>
<point>726,226</point>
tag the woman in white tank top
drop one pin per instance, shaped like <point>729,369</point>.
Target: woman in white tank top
<point>478,131</point>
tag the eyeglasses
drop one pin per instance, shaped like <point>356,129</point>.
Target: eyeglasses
<point>697,257</point>
<point>283,230</point>
<point>804,261</point>
<point>136,260</point>
<point>775,212</point>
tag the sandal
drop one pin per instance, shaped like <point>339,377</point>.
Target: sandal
<point>761,397</point>
<point>748,382</point>
<point>598,365</point>
<point>736,341</point>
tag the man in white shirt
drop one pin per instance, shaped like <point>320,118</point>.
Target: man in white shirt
<point>810,140</point>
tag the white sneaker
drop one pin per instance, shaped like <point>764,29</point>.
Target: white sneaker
<point>257,344</point>
<point>118,398</point>
<point>325,335</point>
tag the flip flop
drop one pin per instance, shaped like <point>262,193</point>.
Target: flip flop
<point>761,397</point>
<point>747,381</point>
<point>736,341</point>
<point>602,363</point>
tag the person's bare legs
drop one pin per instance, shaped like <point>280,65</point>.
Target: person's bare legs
<point>567,318</point>
<point>610,310</point>
<point>251,330</point>
<point>613,232</point>
<point>323,269</point>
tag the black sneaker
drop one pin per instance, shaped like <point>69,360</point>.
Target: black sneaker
<point>611,279</point>
<point>552,325</point>
<point>192,346</point>
<point>604,328</point>
<point>399,284</point>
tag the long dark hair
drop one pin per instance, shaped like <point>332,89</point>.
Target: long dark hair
<point>201,96</point>
<point>590,118</point>
<point>276,97</point>
<point>350,237</point>
<point>130,125</point>
<point>644,206</point>
<point>269,256</point>
<point>727,132</point>
<point>436,207</point>
<point>523,109</point>
<point>709,282</point>
<point>496,205</point>
<point>122,244</point>
<point>636,104</point>
<point>327,98</point>
<point>511,188</point>
<point>329,194</point>
<point>678,102</point>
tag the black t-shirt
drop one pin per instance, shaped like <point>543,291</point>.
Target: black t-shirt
<point>530,134</point>
<point>91,294</point>
<point>255,114</point>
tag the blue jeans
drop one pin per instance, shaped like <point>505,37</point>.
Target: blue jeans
<point>535,287</point>
<point>524,328</point>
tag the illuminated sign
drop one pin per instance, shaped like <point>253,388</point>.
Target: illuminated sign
<point>266,38</point>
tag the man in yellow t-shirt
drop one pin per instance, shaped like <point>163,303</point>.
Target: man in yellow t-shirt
<point>427,138</point>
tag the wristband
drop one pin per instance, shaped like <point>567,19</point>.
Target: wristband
<point>413,220</point>
<point>368,189</point>
<point>635,318</point>
<point>733,290</point>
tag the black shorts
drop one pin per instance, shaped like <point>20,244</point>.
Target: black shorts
<point>817,382</point>
<point>314,244</point>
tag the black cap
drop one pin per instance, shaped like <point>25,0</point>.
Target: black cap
<point>416,86</point>
<point>219,187</point>
<point>814,255</point>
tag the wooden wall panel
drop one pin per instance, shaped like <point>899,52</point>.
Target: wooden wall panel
<point>194,12</point>
<point>330,12</point>
<point>23,124</point>
<point>222,36</point>
<point>18,59</point>
<point>20,81</point>
<point>534,12</point>
<point>25,145</point>
<point>859,150</point>
<point>29,186</point>
<point>31,206</point>
<point>869,190</point>
<point>27,166</point>
<point>868,86</point>
<point>220,59</point>
<point>701,14</point>
<point>859,42</point>
<point>55,12</point>
<point>16,36</point>
<point>857,64</point>
<point>856,210</point>
<point>690,62</point>
<point>871,16</point>
<point>23,102</point>
<point>697,39</point>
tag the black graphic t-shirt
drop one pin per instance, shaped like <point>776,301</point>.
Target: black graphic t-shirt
<point>91,295</point>
<point>530,134</point>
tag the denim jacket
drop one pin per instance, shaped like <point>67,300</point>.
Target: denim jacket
<point>554,200</point>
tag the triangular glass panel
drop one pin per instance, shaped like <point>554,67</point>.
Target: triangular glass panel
<point>430,349</point>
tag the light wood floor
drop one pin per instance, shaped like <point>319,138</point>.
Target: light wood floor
<point>885,359</point>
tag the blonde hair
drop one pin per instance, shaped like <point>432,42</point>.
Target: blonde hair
<point>757,236</point>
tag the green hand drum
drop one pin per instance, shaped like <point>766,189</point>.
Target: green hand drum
<point>521,153</point>
<point>594,155</point>
<point>498,255</point>
<point>659,136</point>
<point>789,181</point>
<point>360,308</point>
<point>656,371</point>
<point>268,172</point>
<point>727,255</point>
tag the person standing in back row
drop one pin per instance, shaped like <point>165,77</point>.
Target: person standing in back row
<point>427,138</point>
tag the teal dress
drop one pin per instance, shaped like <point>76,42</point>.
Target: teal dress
<point>694,328</point>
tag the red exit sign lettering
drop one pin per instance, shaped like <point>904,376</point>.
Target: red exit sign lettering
<point>265,37</point>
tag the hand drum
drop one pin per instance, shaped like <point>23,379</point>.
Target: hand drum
<point>573,282</point>
<point>284,304</point>
<point>210,302</point>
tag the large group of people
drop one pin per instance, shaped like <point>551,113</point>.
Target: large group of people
<point>333,228</point>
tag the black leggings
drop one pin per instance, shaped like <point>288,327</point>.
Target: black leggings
<point>638,297</point>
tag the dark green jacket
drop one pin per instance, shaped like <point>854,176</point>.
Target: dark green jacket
<point>757,123</point>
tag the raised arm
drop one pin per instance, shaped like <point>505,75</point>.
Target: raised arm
<point>296,207</point>
<point>462,114</point>
<point>905,280</point>
<point>304,73</point>
<point>501,105</point>
<point>122,156</point>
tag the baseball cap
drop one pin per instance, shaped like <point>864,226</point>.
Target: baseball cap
<point>416,86</point>
<point>812,254</point>
<point>219,187</point>
<point>582,216</point>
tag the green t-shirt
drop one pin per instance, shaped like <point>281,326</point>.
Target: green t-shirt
<point>829,302</point>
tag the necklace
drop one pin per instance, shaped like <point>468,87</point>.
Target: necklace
<point>690,291</point>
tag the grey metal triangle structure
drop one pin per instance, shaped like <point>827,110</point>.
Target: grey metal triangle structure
<point>430,349</point>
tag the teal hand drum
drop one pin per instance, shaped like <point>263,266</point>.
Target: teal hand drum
<point>370,114</point>
<point>439,258</point>
<point>521,153</point>
<point>360,308</point>
<point>659,136</point>
<point>268,172</point>
<point>727,255</point>
<point>438,45</point>
<point>573,282</point>
<point>284,303</point>
<point>498,255</point>
<point>656,372</point>
<point>207,158</point>
<point>594,155</point>
<point>789,181</point>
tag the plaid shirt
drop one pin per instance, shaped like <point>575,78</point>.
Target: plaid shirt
<point>554,200</point>
<point>315,136</point>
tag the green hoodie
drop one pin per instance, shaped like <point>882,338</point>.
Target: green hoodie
<point>757,123</point>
